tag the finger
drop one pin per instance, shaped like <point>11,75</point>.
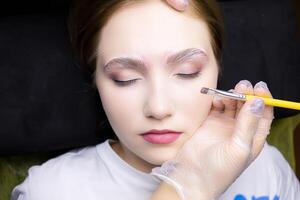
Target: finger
<point>230,106</point>
<point>247,123</point>
<point>261,89</point>
<point>264,126</point>
<point>179,5</point>
<point>244,87</point>
<point>217,105</point>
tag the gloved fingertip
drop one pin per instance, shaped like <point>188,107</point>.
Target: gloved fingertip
<point>186,3</point>
<point>244,84</point>
<point>182,5</point>
<point>257,106</point>
<point>261,85</point>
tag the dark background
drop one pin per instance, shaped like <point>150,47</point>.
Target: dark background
<point>47,102</point>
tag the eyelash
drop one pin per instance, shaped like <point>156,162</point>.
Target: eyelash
<point>183,76</point>
<point>125,83</point>
<point>189,76</point>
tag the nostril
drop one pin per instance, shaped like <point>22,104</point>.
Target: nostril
<point>158,109</point>
<point>158,113</point>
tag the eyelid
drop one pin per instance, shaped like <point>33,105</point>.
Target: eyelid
<point>132,81</point>
<point>125,83</point>
<point>190,67</point>
<point>190,75</point>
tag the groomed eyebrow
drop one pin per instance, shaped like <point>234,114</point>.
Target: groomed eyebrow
<point>177,58</point>
<point>126,62</point>
<point>185,55</point>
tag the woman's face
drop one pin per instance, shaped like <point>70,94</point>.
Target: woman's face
<point>152,62</point>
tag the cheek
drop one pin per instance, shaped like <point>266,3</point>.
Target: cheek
<point>120,105</point>
<point>114,100</point>
<point>195,107</point>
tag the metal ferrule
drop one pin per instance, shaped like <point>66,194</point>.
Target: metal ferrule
<point>237,96</point>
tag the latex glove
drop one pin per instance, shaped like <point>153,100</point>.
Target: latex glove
<point>221,149</point>
<point>179,5</point>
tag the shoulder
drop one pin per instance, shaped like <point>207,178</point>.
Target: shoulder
<point>60,174</point>
<point>272,156</point>
<point>66,163</point>
<point>274,161</point>
<point>287,184</point>
<point>271,163</point>
<point>267,168</point>
<point>268,175</point>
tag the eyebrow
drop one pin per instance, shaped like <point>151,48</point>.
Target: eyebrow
<point>135,63</point>
<point>185,55</point>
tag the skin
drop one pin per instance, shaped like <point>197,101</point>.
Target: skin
<point>166,192</point>
<point>160,98</point>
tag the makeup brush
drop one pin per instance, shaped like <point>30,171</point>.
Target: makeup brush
<point>245,97</point>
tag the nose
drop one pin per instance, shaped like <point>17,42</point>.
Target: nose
<point>158,104</point>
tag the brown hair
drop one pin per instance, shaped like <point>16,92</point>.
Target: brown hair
<point>87,17</point>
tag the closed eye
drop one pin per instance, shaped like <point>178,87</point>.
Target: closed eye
<point>183,76</point>
<point>125,83</point>
<point>189,76</point>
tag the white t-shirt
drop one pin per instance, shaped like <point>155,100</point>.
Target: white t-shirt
<point>97,172</point>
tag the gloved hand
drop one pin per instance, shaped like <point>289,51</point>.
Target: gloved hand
<point>179,5</point>
<point>230,138</point>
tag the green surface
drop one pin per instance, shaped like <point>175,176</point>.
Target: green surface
<point>13,169</point>
<point>282,137</point>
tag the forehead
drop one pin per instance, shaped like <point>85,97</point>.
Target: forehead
<point>151,28</point>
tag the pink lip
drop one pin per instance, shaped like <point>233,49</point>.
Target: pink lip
<point>161,136</point>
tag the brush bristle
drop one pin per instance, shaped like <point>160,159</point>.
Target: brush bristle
<point>204,90</point>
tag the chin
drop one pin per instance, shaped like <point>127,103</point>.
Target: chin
<point>158,158</point>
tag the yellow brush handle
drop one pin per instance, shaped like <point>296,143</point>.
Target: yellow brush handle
<point>277,102</point>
